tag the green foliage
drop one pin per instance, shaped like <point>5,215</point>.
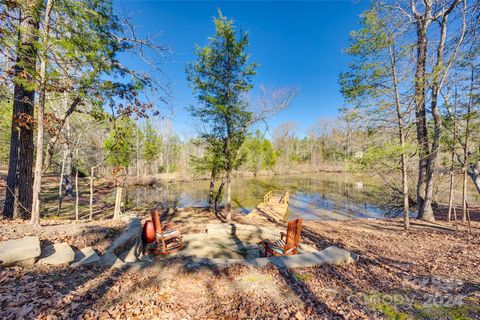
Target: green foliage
<point>213,161</point>
<point>302,277</point>
<point>390,312</point>
<point>381,156</point>
<point>5,124</point>
<point>220,78</point>
<point>152,143</point>
<point>258,153</point>
<point>458,312</point>
<point>121,143</point>
<point>370,68</point>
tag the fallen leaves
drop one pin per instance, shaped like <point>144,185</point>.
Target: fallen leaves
<point>168,289</point>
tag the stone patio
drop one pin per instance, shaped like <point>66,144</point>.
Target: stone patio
<point>223,244</point>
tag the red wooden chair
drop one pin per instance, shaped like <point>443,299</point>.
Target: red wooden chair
<point>168,238</point>
<point>288,243</point>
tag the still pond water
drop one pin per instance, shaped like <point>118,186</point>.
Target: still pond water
<point>316,196</point>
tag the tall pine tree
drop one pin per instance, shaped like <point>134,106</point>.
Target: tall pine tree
<point>220,78</point>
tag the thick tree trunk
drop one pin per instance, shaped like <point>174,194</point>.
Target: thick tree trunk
<point>420,114</point>
<point>20,177</point>
<point>423,21</point>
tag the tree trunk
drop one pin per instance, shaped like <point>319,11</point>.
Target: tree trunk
<point>401,137</point>
<point>474,173</point>
<point>450,197</point>
<point>219,195</point>
<point>466,146</point>
<point>420,114</point>
<point>60,187</point>
<point>20,177</point>
<point>68,161</point>
<point>37,183</point>
<point>136,150</point>
<point>452,162</point>
<point>211,192</point>
<point>92,169</point>
<point>464,196</point>
<point>228,203</point>
<point>77,194</point>
<point>118,202</point>
<point>426,212</point>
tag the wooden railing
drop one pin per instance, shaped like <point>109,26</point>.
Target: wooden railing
<point>285,198</point>
<point>268,196</point>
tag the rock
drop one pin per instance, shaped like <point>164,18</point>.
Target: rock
<point>86,256</point>
<point>58,253</point>
<point>25,263</point>
<point>331,255</point>
<point>12,251</point>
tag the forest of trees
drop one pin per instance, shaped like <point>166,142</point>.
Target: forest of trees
<point>412,104</point>
<point>415,69</point>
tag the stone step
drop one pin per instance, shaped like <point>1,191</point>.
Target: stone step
<point>18,250</point>
<point>127,238</point>
<point>238,226</point>
<point>248,231</point>
<point>331,255</point>
<point>56,254</point>
<point>134,253</point>
<point>85,256</point>
<point>111,260</point>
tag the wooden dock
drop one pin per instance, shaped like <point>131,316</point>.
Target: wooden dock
<point>274,206</point>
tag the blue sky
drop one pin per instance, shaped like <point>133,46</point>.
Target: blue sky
<point>295,44</point>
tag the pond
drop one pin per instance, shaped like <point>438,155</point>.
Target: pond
<point>316,196</point>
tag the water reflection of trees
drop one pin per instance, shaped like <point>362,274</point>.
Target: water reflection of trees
<point>339,193</point>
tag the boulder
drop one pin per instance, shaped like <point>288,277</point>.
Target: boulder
<point>58,253</point>
<point>12,251</point>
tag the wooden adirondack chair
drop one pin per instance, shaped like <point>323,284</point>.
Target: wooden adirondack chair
<point>288,243</point>
<point>168,238</point>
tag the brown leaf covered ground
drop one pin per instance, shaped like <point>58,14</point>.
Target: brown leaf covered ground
<point>398,276</point>
<point>96,234</point>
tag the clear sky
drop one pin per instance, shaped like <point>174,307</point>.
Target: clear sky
<point>295,44</point>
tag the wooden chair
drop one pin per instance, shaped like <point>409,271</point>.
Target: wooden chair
<point>288,243</point>
<point>168,238</point>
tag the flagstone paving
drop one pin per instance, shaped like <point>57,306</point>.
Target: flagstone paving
<point>229,243</point>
